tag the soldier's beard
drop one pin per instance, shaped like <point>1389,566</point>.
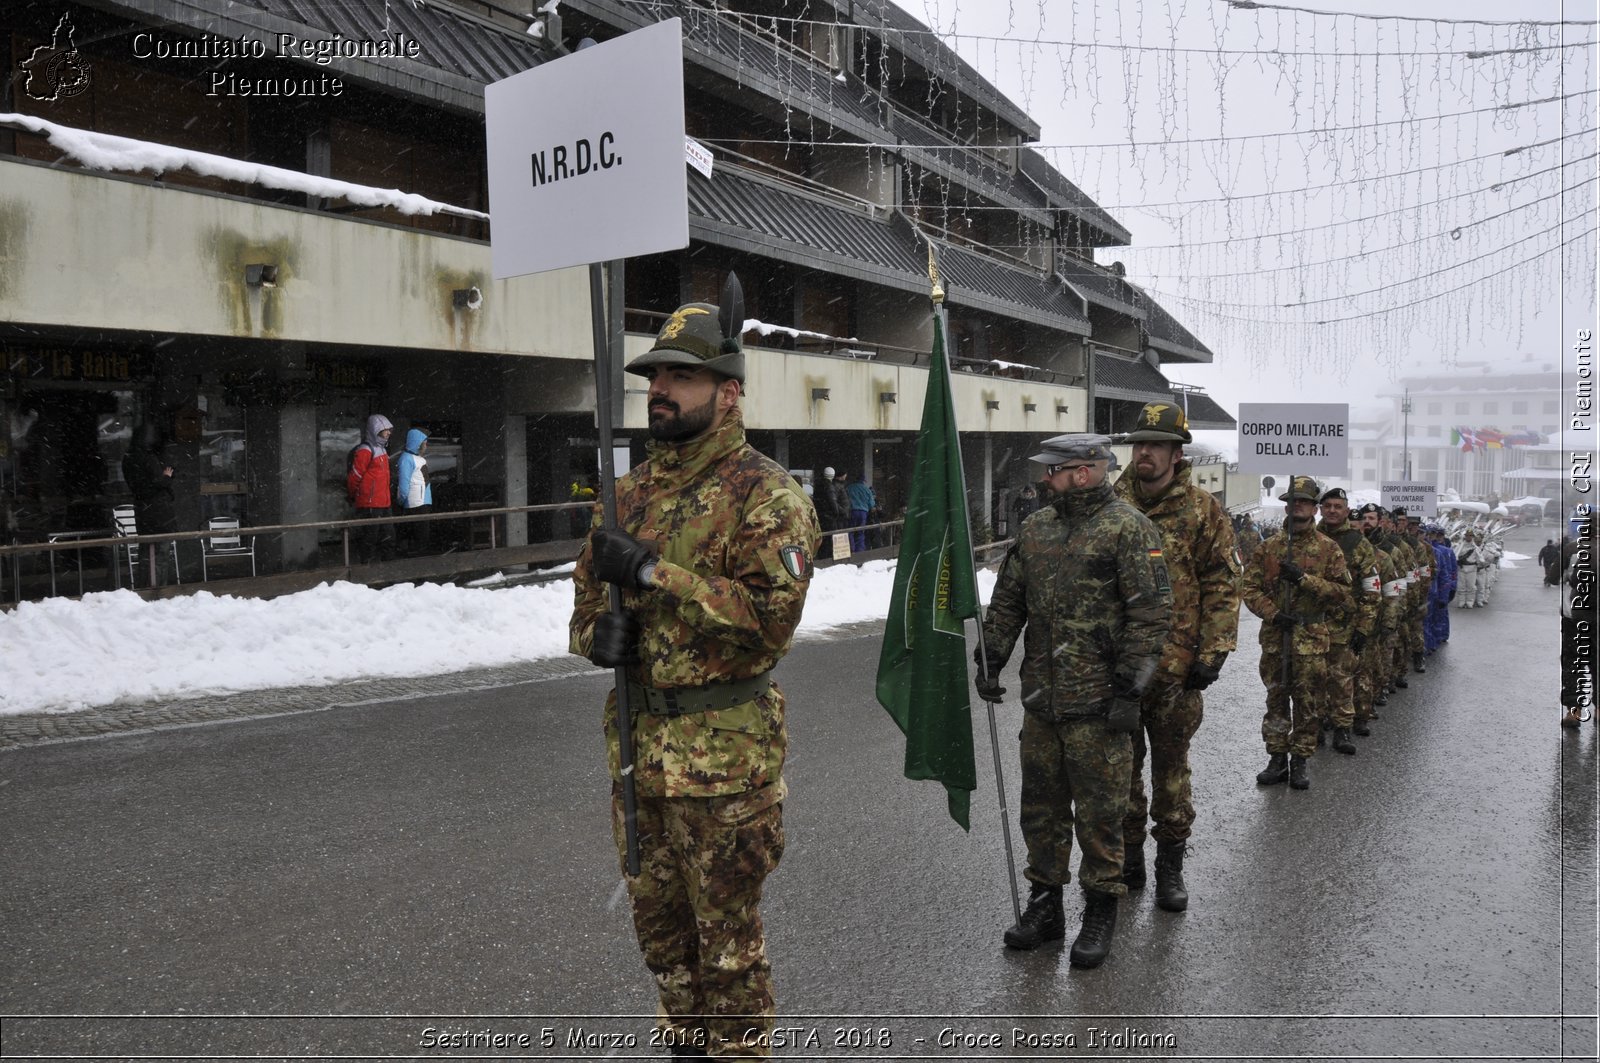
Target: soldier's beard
<point>678,425</point>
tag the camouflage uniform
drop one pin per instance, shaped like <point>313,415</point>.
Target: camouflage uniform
<point>1290,724</point>
<point>1360,616</point>
<point>735,535</point>
<point>1087,581</point>
<point>1393,607</point>
<point>1405,563</point>
<point>1373,673</point>
<point>1203,566</point>
<point>1421,576</point>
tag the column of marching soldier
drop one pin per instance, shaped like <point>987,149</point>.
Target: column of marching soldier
<point>1129,594</point>
<point>1351,606</point>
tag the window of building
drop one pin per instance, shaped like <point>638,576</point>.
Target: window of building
<point>1490,408</point>
<point>1432,431</point>
<point>1552,406</point>
<point>1369,453</point>
<point>1519,407</point>
<point>1435,407</point>
<point>1461,407</point>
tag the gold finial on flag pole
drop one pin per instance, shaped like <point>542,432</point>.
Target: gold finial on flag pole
<point>933,277</point>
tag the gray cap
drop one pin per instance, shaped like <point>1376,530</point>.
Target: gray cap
<point>1083,447</point>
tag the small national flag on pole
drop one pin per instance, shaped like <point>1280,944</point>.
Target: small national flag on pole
<point>922,671</point>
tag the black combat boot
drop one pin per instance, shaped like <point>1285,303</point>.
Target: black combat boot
<point>1133,865</point>
<point>1322,733</point>
<point>1341,741</point>
<point>1171,895</point>
<point>1042,921</point>
<point>1400,682</point>
<point>1276,771</point>
<point>1297,773</point>
<point>1416,663</point>
<point>1093,944</point>
<point>1362,729</point>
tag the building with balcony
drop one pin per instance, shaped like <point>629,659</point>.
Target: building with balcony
<point>259,322</point>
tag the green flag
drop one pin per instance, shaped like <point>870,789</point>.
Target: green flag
<point>922,671</point>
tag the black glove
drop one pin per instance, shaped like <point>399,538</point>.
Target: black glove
<point>616,557</point>
<point>1286,621</point>
<point>1289,572</point>
<point>1358,642</point>
<point>1202,675</point>
<point>988,689</point>
<point>1123,718</point>
<point>616,640</point>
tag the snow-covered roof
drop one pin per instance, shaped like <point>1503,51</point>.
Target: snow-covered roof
<point>103,151</point>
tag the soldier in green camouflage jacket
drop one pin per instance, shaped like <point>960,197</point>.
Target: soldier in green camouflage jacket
<point>1350,628</point>
<point>1086,589</point>
<point>1421,589</point>
<point>1203,565</point>
<point>713,549</point>
<point>1292,592</point>
<point>1372,678</point>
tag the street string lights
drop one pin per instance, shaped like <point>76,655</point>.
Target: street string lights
<point>1311,182</point>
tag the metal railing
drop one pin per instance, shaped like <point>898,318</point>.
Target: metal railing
<point>10,555</point>
<point>888,532</point>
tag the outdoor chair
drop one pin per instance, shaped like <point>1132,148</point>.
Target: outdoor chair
<point>124,524</point>
<point>215,547</point>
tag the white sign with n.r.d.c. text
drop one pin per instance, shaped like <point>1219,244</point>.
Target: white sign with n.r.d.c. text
<point>586,155</point>
<point>1310,438</point>
<point>1419,499</point>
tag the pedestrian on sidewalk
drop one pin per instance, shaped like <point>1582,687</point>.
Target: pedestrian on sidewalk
<point>1203,566</point>
<point>416,494</point>
<point>367,483</point>
<point>712,551</point>
<point>862,502</point>
<point>1086,588</point>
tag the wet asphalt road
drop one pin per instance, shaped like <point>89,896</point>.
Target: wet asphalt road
<point>447,860</point>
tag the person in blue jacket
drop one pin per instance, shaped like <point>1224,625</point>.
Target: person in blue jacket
<point>862,502</point>
<point>413,494</point>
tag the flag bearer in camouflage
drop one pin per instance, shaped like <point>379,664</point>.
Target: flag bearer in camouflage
<point>1087,580</point>
<point>1349,628</point>
<point>1203,565</point>
<point>1372,678</point>
<point>1292,591</point>
<point>713,551</point>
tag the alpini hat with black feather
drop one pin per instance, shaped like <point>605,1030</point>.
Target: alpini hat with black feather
<point>702,335</point>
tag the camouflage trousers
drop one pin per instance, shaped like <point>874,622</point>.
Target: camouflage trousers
<point>1170,716</point>
<point>1075,777</point>
<point>1413,625</point>
<point>1339,691</point>
<point>702,863</point>
<point>1293,712</point>
<point>1372,674</point>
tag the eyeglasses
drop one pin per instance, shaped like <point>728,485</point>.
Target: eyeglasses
<point>1051,470</point>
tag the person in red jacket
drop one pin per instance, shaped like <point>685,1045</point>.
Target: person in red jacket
<point>368,487</point>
